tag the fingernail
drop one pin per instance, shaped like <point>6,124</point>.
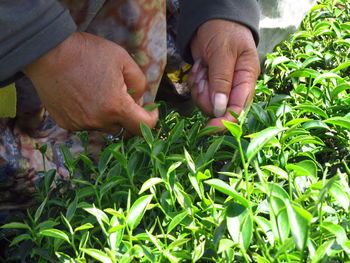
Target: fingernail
<point>200,75</point>
<point>220,104</point>
<point>201,86</point>
<point>196,65</point>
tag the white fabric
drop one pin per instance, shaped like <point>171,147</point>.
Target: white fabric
<point>279,19</point>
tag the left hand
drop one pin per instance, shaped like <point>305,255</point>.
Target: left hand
<point>226,69</point>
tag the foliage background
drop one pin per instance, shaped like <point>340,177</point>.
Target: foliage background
<point>275,188</point>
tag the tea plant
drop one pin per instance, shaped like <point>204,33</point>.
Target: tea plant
<point>274,188</point>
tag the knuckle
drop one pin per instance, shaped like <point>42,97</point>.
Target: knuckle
<point>222,79</point>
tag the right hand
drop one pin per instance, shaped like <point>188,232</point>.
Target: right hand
<point>84,84</point>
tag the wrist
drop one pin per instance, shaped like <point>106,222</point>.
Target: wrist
<point>54,57</point>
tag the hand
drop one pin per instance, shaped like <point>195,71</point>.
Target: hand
<point>226,69</point>
<point>84,84</point>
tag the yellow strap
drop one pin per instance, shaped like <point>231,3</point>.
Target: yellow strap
<point>8,101</point>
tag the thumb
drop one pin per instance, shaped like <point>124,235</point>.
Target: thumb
<point>221,67</point>
<point>134,78</point>
<point>133,114</point>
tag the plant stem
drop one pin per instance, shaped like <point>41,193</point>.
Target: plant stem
<point>245,167</point>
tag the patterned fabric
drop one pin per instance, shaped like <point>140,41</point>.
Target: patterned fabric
<point>139,26</point>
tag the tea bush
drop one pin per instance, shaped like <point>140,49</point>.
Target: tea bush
<point>274,188</point>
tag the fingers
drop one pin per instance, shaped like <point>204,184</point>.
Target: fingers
<point>221,66</point>
<point>244,81</point>
<point>134,78</point>
<point>198,82</point>
<point>133,114</point>
<point>245,76</point>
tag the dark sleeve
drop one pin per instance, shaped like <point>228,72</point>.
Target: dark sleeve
<point>193,13</point>
<point>29,29</point>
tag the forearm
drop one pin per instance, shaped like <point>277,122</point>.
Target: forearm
<point>29,29</point>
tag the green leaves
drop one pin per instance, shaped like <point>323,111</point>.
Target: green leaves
<point>339,121</point>
<point>149,184</point>
<point>97,254</point>
<point>239,224</point>
<point>147,133</point>
<point>16,225</point>
<point>228,190</point>
<point>261,139</point>
<point>312,109</point>
<point>300,221</point>
<point>274,188</point>
<point>55,233</point>
<point>303,168</point>
<point>137,211</point>
<point>234,129</point>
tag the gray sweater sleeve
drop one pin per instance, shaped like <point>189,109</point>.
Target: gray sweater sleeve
<point>29,29</point>
<point>193,13</point>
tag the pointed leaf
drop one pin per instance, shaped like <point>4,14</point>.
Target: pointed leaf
<point>97,254</point>
<point>55,233</point>
<point>325,76</point>
<point>233,128</point>
<point>304,168</point>
<point>336,230</point>
<point>150,183</point>
<point>239,224</point>
<point>276,170</point>
<point>260,140</point>
<point>137,211</point>
<point>176,220</point>
<point>20,238</point>
<point>99,214</point>
<point>147,134</point>
<point>341,196</point>
<point>226,189</point>
<point>300,221</point>
<point>39,211</point>
<point>312,109</point>
<point>340,121</point>
<point>84,227</point>
<point>15,225</point>
<point>190,162</point>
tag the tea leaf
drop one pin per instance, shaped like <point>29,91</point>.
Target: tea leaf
<point>261,139</point>
<point>20,238</point>
<point>341,196</point>
<point>97,254</point>
<point>55,233</point>
<point>336,230</point>
<point>226,189</point>
<point>303,168</point>
<point>325,76</point>
<point>150,183</point>
<point>16,225</point>
<point>300,220</point>
<point>84,227</point>
<point>234,129</point>
<point>340,121</point>
<point>312,109</point>
<point>176,220</point>
<point>137,211</point>
<point>239,224</point>
<point>40,209</point>
<point>147,134</point>
<point>99,214</point>
<point>190,162</point>
<point>322,250</point>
